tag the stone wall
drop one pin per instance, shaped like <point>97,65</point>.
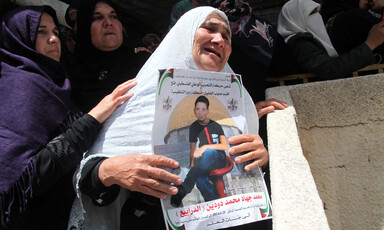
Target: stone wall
<point>327,155</point>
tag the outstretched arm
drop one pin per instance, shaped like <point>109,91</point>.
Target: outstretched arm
<point>110,102</point>
<point>51,161</point>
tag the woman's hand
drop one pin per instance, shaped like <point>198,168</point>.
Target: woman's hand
<point>253,148</point>
<point>267,106</point>
<point>110,102</point>
<point>138,172</point>
<point>375,36</point>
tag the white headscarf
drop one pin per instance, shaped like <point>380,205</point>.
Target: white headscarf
<point>295,17</point>
<point>129,129</point>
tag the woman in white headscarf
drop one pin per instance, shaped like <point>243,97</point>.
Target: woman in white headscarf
<point>108,165</point>
<point>302,28</point>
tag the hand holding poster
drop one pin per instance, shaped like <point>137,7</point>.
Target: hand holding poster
<point>196,113</point>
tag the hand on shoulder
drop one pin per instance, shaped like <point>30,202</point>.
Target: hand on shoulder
<point>110,102</point>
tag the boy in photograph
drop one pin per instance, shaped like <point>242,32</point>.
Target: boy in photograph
<point>209,136</point>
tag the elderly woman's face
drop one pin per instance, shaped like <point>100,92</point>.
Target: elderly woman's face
<point>106,29</point>
<point>47,39</point>
<point>211,45</point>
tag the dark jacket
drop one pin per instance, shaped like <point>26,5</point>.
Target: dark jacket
<point>311,57</point>
<point>55,164</point>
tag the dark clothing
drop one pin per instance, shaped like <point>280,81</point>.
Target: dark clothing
<point>144,211</point>
<point>97,73</point>
<point>53,193</point>
<point>204,133</point>
<point>35,106</point>
<point>347,25</point>
<point>253,73</point>
<point>63,153</point>
<point>92,186</point>
<point>330,8</point>
<point>350,28</point>
<point>311,57</point>
<point>91,82</point>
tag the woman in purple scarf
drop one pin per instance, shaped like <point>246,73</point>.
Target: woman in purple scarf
<point>41,142</point>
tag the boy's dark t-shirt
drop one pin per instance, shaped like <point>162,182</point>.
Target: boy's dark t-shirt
<point>198,132</point>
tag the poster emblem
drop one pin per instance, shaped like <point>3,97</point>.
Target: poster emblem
<point>232,105</point>
<point>167,104</point>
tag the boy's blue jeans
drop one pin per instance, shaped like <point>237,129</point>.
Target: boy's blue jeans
<point>199,174</point>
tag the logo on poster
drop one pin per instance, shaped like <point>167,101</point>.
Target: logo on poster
<point>167,103</point>
<point>232,105</point>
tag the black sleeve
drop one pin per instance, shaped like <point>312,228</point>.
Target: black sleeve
<point>312,57</point>
<point>192,133</point>
<point>63,153</point>
<point>91,185</point>
<point>219,130</point>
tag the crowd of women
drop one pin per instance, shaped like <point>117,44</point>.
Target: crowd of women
<point>86,128</point>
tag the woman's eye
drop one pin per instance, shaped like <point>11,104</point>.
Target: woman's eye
<point>96,18</point>
<point>114,16</point>
<point>41,31</point>
<point>210,29</point>
<point>56,33</point>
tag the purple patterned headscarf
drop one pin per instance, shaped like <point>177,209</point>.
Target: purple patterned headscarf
<point>35,105</point>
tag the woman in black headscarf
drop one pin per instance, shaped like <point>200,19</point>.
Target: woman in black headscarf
<point>35,106</point>
<point>104,52</point>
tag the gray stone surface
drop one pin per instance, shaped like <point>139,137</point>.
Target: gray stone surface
<point>327,155</point>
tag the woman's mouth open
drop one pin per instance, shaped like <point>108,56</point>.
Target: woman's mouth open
<point>210,50</point>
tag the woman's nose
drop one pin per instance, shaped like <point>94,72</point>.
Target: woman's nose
<point>107,21</point>
<point>53,39</point>
<point>218,39</point>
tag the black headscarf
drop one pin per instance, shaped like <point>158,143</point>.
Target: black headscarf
<point>98,72</point>
<point>35,105</point>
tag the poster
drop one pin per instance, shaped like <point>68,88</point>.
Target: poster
<point>196,109</point>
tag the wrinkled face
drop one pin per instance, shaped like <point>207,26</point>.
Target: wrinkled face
<point>201,112</point>
<point>106,29</point>
<point>47,39</point>
<point>211,45</point>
